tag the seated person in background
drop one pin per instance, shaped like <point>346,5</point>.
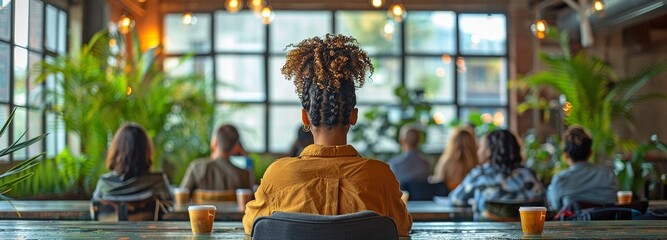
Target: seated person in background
<point>217,172</point>
<point>129,160</point>
<point>411,166</point>
<point>329,177</point>
<point>303,139</point>
<point>500,177</point>
<point>459,158</point>
<point>582,181</point>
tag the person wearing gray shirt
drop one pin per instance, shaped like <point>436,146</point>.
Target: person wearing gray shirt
<point>411,166</point>
<point>582,181</point>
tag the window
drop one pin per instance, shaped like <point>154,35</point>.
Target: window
<point>30,31</point>
<point>458,60</point>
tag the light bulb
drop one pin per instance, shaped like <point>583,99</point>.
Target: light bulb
<point>125,24</point>
<point>189,19</point>
<point>389,27</point>
<point>233,6</point>
<point>266,14</point>
<point>376,3</point>
<point>539,28</point>
<point>397,12</point>
<point>256,5</point>
<point>598,5</point>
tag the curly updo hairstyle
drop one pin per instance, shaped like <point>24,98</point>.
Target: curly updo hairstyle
<point>326,73</point>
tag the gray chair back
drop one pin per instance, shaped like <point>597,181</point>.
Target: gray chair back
<point>301,226</point>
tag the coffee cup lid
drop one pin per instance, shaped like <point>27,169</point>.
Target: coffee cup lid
<point>243,190</point>
<point>621,193</point>
<point>180,190</point>
<point>532,209</point>
<point>202,207</point>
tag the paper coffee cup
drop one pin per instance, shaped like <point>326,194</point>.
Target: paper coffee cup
<point>201,218</point>
<point>532,219</point>
<point>243,196</point>
<point>624,197</point>
<point>181,195</point>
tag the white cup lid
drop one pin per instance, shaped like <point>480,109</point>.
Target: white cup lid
<point>202,207</point>
<point>180,190</point>
<point>243,190</point>
<point>624,193</point>
<point>533,209</point>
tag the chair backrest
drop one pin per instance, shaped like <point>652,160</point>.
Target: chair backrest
<point>588,211</point>
<point>114,211</point>
<point>507,211</point>
<point>299,226</point>
<point>201,196</point>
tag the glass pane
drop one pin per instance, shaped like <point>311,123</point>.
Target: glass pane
<point>280,89</point>
<point>482,33</point>
<point>436,136</point>
<point>433,75</point>
<point>429,32</point>
<point>19,127</point>
<point>239,32</point>
<point>34,130</point>
<point>61,134</point>
<point>284,124</point>
<point>201,66</point>
<point>368,27</point>
<point>183,38</point>
<point>20,75</point>
<point>5,19</point>
<point>496,116</point>
<point>62,32</point>
<point>51,139</point>
<point>34,88</point>
<point>482,81</point>
<point>385,142</point>
<point>4,139</point>
<point>4,72</point>
<point>240,78</point>
<point>292,27</point>
<point>51,28</point>
<point>249,120</point>
<point>380,89</point>
<point>36,20</point>
<point>21,23</point>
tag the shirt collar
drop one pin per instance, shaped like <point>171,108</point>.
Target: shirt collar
<point>329,151</point>
<point>582,164</point>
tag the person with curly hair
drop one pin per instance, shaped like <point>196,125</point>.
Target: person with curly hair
<point>329,177</point>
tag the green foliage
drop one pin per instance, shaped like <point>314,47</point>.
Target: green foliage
<point>632,173</point>
<point>595,92</point>
<point>476,120</point>
<point>260,163</point>
<point>544,157</point>
<point>104,85</point>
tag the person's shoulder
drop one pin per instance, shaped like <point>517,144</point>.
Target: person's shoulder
<point>200,162</point>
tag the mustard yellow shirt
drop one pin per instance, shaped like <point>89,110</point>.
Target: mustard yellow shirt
<point>329,180</point>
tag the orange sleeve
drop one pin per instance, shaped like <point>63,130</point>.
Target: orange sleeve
<point>397,208</point>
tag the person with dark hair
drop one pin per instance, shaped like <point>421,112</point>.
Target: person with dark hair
<point>129,160</point>
<point>303,139</point>
<point>500,177</point>
<point>329,177</point>
<point>411,166</point>
<point>217,172</point>
<point>582,181</point>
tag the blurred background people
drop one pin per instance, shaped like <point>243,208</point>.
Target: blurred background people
<point>500,177</point>
<point>411,166</point>
<point>129,160</point>
<point>459,158</point>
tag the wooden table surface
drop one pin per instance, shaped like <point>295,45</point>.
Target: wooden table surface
<point>226,211</point>
<point>21,229</point>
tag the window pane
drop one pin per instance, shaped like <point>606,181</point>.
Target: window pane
<point>433,75</point>
<point>483,81</point>
<point>5,19</point>
<point>482,33</point>
<point>249,120</point>
<point>20,75</point>
<point>182,38</point>
<point>51,139</point>
<point>21,23</point>
<point>285,120</point>
<point>429,32</point>
<point>386,142</point>
<point>4,139</point>
<point>62,32</point>
<point>368,28</point>
<point>239,32</point>
<point>280,89</point>
<point>240,78</point>
<point>51,28</point>
<point>496,116</point>
<point>436,136</point>
<point>34,130</point>
<point>19,127</point>
<point>4,72</point>
<point>380,89</point>
<point>36,20</point>
<point>291,27</point>
<point>35,89</point>
<point>200,66</point>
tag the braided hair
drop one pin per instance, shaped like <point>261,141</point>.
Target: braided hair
<point>326,71</point>
<point>505,150</point>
